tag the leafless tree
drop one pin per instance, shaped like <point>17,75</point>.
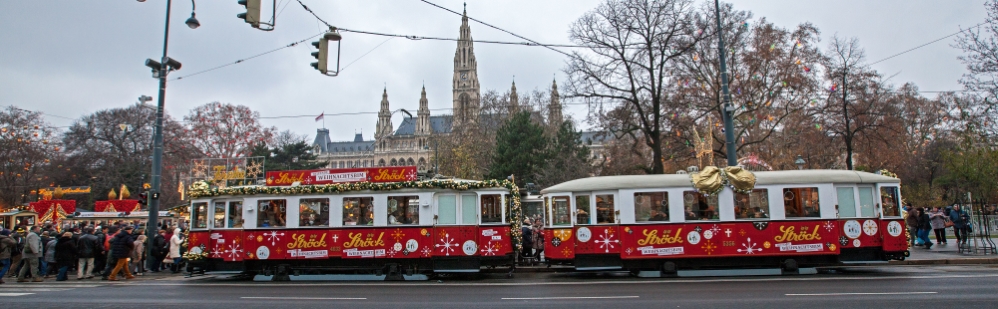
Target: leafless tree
<point>26,149</point>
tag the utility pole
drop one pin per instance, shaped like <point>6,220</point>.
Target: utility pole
<point>726,110</point>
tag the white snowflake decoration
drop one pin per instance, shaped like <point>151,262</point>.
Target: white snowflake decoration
<point>606,241</point>
<point>427,251</point>
<point>411,175</point>
<point>391,252</point>
<point>829,226</point>
<point>489,249</point>
<point>749,247</point>
<point>448,245</point>
<point>273,237</point>
<point>234,251</point>
<point>217,252</point>
<point>716,230</point>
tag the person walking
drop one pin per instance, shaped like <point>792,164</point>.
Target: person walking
<point>138,252</point>
<point>924,226</point>
<point>100,255</point>
<point>65,255</point>
<point>175,242</point>
<point>7,245</point>
<point>87,246</point>
<point>109,259</point>
<point>121,249</point>
<point>960,220</point>
<point>937,220</point>
<point>160,248</point>
<point>527,240</point>
<point>538,238</point>
<point>30,256</point>
<point>911,220</point>
<point>49,259</point>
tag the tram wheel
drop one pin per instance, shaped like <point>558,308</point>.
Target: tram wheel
<point>669,269</point>
<point>790,267</point>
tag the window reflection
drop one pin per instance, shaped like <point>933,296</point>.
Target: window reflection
<point>235,215</point>
<point>700,207</point>
<point>754,205</point>
<point>219,218</point>
<point>801,202</point>
<point>313,212</point>
<point>272,213</point>
<point>651,206</point>
<point>358,211</point>
<point>560,211</point>
<point>604,209</point>
<point>492,208</point>
<point>200,216</point>
<point>889,198</point>
<point>403,209</point>
<point>582,210</point>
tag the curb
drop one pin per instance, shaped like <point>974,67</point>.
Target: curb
<point>960,261</point>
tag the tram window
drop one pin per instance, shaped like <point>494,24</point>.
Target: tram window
<point>582,210</point>
<point>219,218</point>
<point>560,211</point>
<point>651,206</point>
<point>604,209</point>
<point>235,214</point>
<point>447,209</point>
<point>847,202</point>
<point>889,199</point>
<point>801,202</point>
<point>700,207</point>
<point>754,205</point>
<point>468,209</point>
<point>403,209</point>
<point>199,214</point>
<point>358,211</point>
<point>314,212</point>
<point>866,202</point>
<point>272,213</point>
<point>492,208</point>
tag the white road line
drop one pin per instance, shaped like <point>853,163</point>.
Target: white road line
<point>32,290</point>
<point>15,294</point>
<point>868,293</point>
<point>305,298</point>
<point>568,297</point>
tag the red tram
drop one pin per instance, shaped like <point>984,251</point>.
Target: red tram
<point>789,219</point>
<point>388,224</point>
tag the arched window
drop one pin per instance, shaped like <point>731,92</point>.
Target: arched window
<point>381,162</point>
<point>422,164</point>
<point>410,162</point>
<point>394,162</point>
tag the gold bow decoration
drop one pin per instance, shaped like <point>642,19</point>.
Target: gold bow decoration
<point>712,180</point>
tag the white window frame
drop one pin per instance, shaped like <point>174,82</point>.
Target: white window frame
<point>878,197</point>
<point>549,209</point>
<point>616,210</point>
<point>573,208</point>
<point>502,207</point>
<point>194,218</point>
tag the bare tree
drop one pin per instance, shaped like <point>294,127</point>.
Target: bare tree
<point>26,148</point>
<point>981,80</point>
<point>630,46</point>
<point>226,130</point>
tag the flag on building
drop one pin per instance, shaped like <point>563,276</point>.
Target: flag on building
<point>321,116</point>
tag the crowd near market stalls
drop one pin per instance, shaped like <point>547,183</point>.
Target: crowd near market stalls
<point>381,221</point>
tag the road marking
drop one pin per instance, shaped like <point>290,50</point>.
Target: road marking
<point>305,298</point>
<point>568,297</point>
<point>868,293</point>
<point>32,290</point>
<point>15,294</point>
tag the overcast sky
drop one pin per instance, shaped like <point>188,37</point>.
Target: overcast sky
<point>70,58</point>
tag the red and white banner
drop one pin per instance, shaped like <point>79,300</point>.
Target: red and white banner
<point>343,175</point>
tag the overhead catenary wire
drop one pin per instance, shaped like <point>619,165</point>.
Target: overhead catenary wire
<point>548,46</point>
<point>293,44</point>
<point>927,44</point>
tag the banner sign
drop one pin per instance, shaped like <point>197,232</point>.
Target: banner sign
<point>343,175</point>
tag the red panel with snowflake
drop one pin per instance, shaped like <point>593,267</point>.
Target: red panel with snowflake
<point>559,244</point>
<point>861,233</point>
<point>267,244</point>
<point>455,241</point>
<point>227,245</point>
<point>196,240</point>
<point>494,241</point>
<point>597,239</point>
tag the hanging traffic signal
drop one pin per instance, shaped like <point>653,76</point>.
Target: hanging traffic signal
<point>252,15</point>
<point>144,198</point>
<point>320,55</point>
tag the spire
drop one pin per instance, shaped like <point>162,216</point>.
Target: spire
<point>514,98</point>
<point>423,115</point>
<point>554,109</point>
<point>384,117</point>
<point>466,91</point>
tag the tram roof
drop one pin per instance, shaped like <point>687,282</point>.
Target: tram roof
<point>600,183</point>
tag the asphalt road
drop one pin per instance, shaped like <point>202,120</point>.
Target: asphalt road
<point>883,287</point>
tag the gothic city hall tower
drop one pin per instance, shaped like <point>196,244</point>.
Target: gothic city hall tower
<point>466,87</point>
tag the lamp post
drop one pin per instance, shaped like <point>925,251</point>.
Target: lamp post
<point>160,70</point>
<point>800,162</point>
<point>729,128</point>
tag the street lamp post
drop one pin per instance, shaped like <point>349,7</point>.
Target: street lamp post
<point>800,162</point>
<point>729,128</point>
<point>160,70</point>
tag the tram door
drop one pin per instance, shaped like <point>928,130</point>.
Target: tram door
<point>559,235</point>
<point>596,232</point>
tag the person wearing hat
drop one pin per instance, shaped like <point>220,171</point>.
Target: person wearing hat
<point>30,256</point>
<point>527,240</point>
<point>7,244</point>
<point>121,248</point>
<point>65,255</point>
<point>49,254</point>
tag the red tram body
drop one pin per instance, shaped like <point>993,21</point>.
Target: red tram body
<point>790,219</point>
<point>388,227</point>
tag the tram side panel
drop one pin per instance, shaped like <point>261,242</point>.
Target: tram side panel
<point>559,244</point>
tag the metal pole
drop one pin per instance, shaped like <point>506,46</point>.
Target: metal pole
<point>729,128</point>
<point>157,148</point>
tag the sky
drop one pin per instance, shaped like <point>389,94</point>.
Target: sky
<point>67,59</point>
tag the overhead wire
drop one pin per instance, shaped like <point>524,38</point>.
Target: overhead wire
<point>248,58</point>
<point>548,46</point>
<point>927,44</point>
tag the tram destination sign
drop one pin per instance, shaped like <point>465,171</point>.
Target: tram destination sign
<point>342,175</point>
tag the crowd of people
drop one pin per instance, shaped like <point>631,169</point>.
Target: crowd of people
<point>921,221</point>
<point>34,253</point>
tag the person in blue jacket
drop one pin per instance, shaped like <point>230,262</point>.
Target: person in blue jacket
<point>960,220</point>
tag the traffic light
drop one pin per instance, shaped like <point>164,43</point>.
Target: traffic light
<point>252,15</point>
<point>144,198</point>
<point>323,45</point>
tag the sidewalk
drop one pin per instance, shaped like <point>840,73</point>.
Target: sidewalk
<point>165,275</point>
<point>945,254</point>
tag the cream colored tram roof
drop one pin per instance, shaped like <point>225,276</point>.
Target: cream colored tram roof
<point>681,180</point>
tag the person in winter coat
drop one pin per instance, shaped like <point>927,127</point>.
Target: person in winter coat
<point>175,242</point>
<point>924,226</point>
<point>49,259</point>
<point>160,248</point>
<point>31,254</point>
<point>911,221</point>
<point>538,238</point>
<point>121,249</point>
<point>100,255</point>
<point>7,245</point>
<point>43,264</point>
<point>527,241</point>
<point>87,247</point>
<point>138,252</point>
<point>937,220</point>
<point>65,255</point>
<point>960,220</point>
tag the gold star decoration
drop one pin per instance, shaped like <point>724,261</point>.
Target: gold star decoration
<point>708,247</point>
<point>398,234</point>
<point>741,232</point>
<point>259,238</point>
<point>566,251</point>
